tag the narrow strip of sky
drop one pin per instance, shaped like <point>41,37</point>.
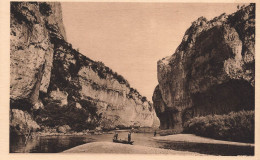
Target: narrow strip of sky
<point>131,37</point>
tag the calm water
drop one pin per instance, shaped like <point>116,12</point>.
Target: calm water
<point>54,144</point>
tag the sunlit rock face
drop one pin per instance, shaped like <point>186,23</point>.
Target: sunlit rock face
<point>45,70</point>
<point>211,72</point>
<point>31,51</point>
<point>107,96</point>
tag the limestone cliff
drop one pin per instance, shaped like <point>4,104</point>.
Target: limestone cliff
<point>81,83</point>
<point>48,77</point>
<point>211,72</point>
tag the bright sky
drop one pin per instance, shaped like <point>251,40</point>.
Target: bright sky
<point>131,37</point>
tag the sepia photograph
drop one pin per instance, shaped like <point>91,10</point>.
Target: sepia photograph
<point>132,78</point>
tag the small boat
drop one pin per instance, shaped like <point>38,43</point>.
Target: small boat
<point>123,141</point>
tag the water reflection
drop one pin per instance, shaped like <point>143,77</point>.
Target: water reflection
<point>54,144</point>
<point>48,144</point>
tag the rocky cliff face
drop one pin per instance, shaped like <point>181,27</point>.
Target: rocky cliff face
<point>81,83</point>
<point>46,73</point>
<point>211,72</point>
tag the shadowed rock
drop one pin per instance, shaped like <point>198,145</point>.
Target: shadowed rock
<point>211,72</point>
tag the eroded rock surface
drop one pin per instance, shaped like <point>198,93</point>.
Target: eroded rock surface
<point>59,86</point>
<point>31,52</point>
<point>88,83</point>
<point>22,122</point>
<point>211,72</point>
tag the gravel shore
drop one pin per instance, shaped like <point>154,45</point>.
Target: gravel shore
<point>110,147</point>
<point>198,139</point>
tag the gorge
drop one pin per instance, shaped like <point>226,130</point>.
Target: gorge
<point>65,98</point>
<point>53,86</point>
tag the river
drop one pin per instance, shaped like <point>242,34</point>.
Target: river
<point>55,144</point>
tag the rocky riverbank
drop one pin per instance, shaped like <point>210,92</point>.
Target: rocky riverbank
<point>60,131</point>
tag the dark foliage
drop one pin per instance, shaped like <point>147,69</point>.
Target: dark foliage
<point>103,71</point>
<point>21,17</point>
<point>144,99</point>
<point>23,104</point>
<point>235,126</point>
<point>54,115</point>
<point>89,106</point>
<point>45,9</point>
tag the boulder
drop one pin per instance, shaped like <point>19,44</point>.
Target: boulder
<point>22,122</point>
<point>63,129</point>
<point>59,97</point>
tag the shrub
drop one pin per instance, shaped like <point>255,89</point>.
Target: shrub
<point>235,126</point>
<point>45,9</point>
<point>54,115</point>
<point>144,99</point>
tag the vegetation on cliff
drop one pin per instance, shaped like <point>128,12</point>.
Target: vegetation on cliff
<point>57,85</point>
<point>235,126</point>
<point>77,119</point>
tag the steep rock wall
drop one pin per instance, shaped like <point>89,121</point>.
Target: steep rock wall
<point>85,83</point>
<point>31,51</point>
<point>211,72</point>
<point>48,76</point>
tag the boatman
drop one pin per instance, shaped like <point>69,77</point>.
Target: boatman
<point>154,134</point>
<point>116,136</point>
<point>129,136</point>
